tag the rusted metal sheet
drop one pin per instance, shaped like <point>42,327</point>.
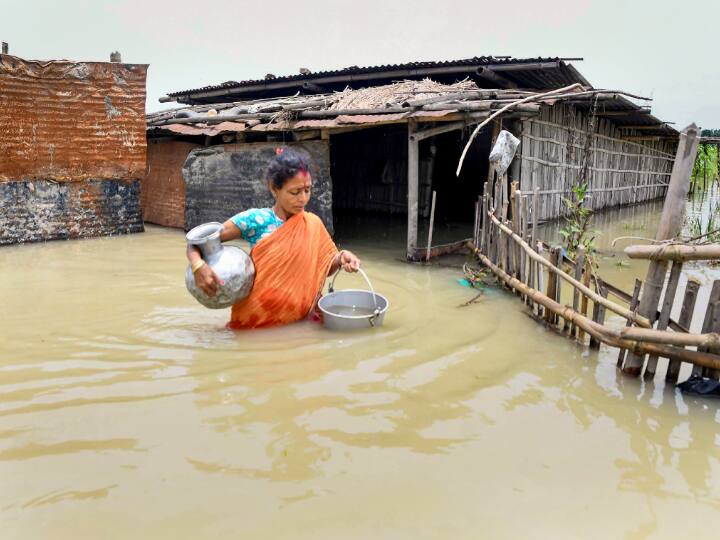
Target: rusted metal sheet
<point>315,124</point>
<point>71,121</point>
<point>163,189</point>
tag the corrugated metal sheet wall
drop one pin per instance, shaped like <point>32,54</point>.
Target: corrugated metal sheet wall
<point>71,121</point>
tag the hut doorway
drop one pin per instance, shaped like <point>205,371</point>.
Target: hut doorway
<point>370,183</point>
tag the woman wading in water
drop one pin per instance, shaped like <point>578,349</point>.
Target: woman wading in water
<point>292,250</point>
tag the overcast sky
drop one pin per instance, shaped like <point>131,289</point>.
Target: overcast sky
<point>665,49</point>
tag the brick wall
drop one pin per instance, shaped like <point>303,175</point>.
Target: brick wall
<point>163,188</point>
<point>223,180</point>
<point>42,210</point>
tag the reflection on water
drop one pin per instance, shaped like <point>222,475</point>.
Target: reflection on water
<point>122,397</point>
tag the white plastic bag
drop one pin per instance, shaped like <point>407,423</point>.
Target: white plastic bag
<point>503,151</point>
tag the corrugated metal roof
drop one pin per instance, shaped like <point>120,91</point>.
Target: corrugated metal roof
<point>537,75</point>
<point>67,121</point>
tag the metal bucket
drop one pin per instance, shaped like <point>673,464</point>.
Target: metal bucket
<point>352,308</point>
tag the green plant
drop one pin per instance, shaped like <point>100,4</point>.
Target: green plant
<point>705,169</point>
<point>708,231</point>
<point>577,231</point>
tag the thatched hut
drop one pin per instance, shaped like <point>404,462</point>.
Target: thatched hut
<point>382,145</point>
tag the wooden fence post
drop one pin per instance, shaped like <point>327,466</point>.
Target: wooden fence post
<point>709,321</point>
<point>633,306</point>
<point>579,265</point>
<point>685,319</point>
<point>664,318</point>
<point>552,284</point>
<point>669,227</point>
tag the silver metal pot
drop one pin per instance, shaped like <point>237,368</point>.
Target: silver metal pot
<point>350,309</point>
<point>230,263</point>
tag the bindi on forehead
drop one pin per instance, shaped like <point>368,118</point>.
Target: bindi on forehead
<point>299,182</point>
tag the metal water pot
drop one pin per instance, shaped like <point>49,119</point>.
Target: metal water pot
<point>231,264</point>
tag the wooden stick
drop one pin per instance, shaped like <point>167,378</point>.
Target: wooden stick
<point>612,306</point>
<point>432,223</point>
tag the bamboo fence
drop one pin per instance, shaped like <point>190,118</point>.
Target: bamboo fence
<point>565,147</point>
<point>510,249</point>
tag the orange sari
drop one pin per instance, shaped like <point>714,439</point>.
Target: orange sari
<point>290,269</point>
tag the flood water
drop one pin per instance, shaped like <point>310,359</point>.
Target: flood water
<point>129,411</point>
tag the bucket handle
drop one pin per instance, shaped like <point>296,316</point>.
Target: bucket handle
<point>331,287</point>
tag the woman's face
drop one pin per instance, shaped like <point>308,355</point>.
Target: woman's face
<point>294,194</point>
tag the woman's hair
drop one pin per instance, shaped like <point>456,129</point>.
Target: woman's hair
<point>286,164</point>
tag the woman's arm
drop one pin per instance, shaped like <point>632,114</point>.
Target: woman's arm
<point>230,231</point>
<point>346,259</point>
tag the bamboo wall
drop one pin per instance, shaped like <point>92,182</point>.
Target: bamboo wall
<point>620,172</point>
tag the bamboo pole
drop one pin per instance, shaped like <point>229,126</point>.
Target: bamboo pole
<point>670,225</point>
<point>675,252</point>
<point>626,338</point>
<point>612,306</point>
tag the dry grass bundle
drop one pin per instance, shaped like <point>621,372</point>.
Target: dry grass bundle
<point>397,93</point>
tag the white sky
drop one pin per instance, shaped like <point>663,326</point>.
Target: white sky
<point>665,49</point>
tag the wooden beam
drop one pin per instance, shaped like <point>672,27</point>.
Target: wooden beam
<point>413,167</point>
<point>623,113</point>
<point>315,88</point>
<point>495,78</point>
<point>439,130</point>
<point>645,126</point>
<point>670,225</point>
<point>420,254</point>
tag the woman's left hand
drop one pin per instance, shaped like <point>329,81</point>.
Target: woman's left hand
<point>348,261</point>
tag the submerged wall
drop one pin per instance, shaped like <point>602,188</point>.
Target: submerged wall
<point>163,188</point>
<point>42,210</point>
<point>73,148</point>
<point>223,180</point>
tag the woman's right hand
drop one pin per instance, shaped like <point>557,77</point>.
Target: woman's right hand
<point>207,281</point>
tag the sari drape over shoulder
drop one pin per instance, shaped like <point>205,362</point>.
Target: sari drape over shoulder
<point>290,269</point>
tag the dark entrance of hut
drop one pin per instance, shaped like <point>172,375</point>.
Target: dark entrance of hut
<point>369,168</point>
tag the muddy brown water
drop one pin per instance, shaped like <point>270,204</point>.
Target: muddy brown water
<point>129,411</point>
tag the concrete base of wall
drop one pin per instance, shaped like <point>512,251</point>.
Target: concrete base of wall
<point>221,181</point>
<point>42,210</point>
